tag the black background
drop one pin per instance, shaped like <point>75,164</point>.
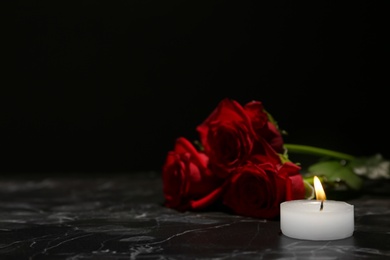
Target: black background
<point>108,86</point>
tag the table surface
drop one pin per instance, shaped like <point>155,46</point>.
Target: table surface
<point>121,216</point>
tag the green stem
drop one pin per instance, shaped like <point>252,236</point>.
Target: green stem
<point>305,149</point>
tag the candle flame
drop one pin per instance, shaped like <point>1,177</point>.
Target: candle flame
<point>320,193</point>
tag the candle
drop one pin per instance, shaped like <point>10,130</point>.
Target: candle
<point>318,219</point>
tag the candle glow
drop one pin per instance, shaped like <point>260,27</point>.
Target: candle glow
<point>319,190</point>
<point>320,193</point>
<point>318,219</point>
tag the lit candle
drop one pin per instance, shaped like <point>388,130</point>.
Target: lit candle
<point>318,219</point>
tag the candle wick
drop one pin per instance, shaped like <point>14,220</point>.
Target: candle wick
<point>322,205</point>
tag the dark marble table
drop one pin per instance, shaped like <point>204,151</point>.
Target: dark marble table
<point>122,217</point>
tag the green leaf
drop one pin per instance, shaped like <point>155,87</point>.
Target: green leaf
<point>334,171</point>
<point>309,190</point>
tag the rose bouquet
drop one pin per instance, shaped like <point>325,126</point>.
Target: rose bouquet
<point>240,164</point>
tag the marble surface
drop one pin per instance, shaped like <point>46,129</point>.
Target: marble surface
<point>122,217</point>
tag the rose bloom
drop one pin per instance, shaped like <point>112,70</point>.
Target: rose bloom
<point>232,134</point>
<point>256,190</point>
<point>263,126</point>
<point>187,182</point>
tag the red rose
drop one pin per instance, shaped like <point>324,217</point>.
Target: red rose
<point>263,126</point>
<point>186,178</point>
<point>256,190</point>
<point>295,189</point>
<point>229,139</point>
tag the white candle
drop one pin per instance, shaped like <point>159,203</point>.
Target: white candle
<point>307,219</point>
